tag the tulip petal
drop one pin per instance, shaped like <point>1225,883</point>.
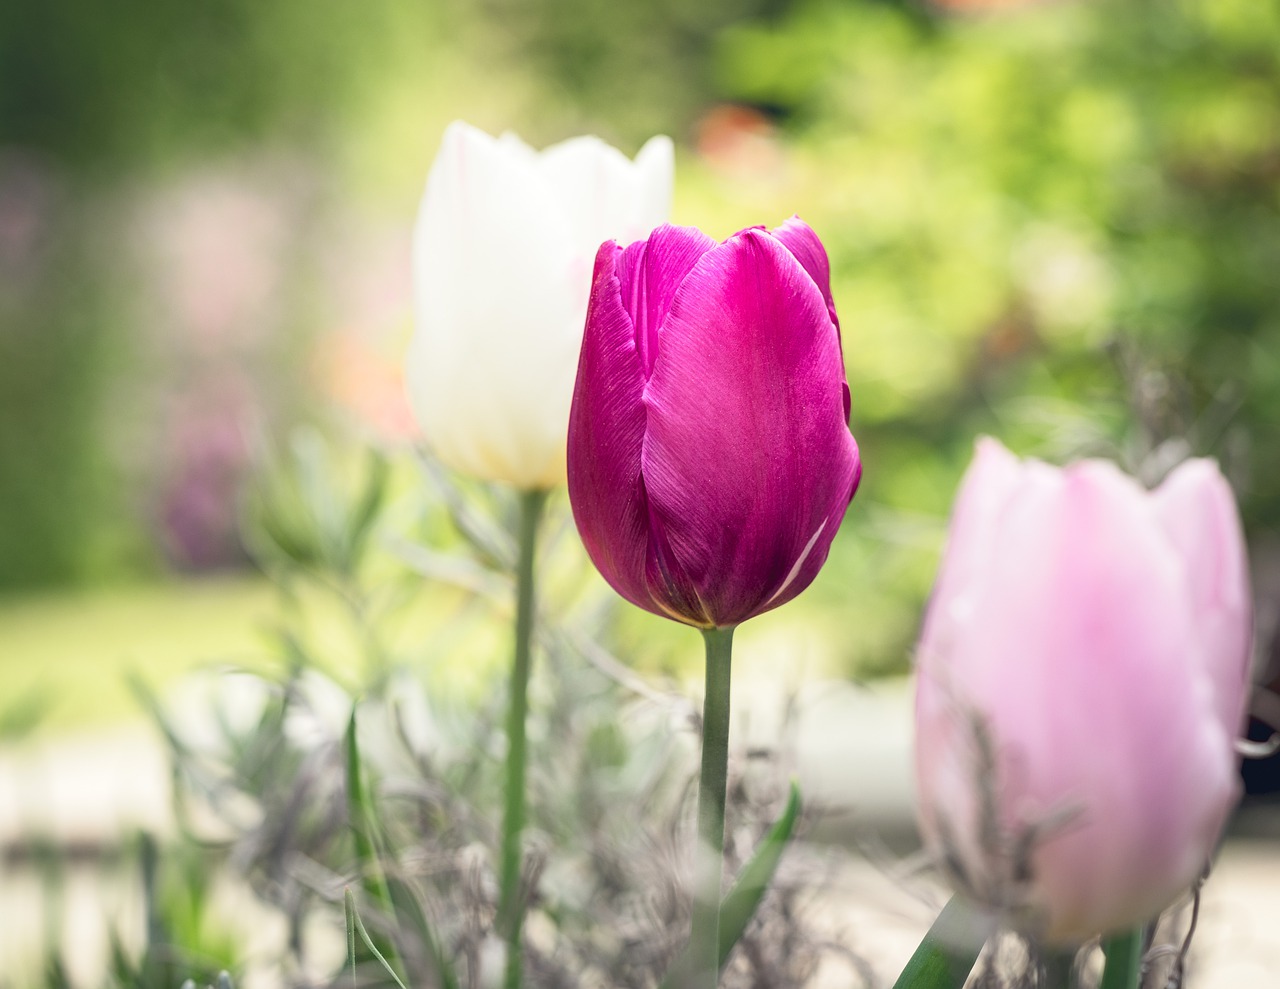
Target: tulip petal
<point>798,238</point>
<point>1070,643</point>
<point>655,165</point>
<point>605,195</point>
<point>748,461</point>
<point>1198,511</point>
<point>650,272</point>
<point>606,433</point>
<point>487,220</point>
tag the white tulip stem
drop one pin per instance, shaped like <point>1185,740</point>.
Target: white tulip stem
<point>511,900</point>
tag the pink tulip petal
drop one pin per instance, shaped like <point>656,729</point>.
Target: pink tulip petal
<point>606,432</point>
<point>747,459</point>
<point>1061,625</point>
<point>1198,511</point>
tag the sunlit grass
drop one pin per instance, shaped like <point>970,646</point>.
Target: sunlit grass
<point>69,653</point>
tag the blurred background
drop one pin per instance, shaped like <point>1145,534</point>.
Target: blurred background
<point>1057,222</point>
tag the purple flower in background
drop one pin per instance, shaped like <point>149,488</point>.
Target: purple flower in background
<point>1081,681</point>
<point>710,458</point>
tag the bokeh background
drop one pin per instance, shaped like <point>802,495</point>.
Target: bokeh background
<point>1057,222</point>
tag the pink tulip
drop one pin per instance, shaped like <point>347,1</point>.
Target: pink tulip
<point>1081,681</point>
<point>710,459</point>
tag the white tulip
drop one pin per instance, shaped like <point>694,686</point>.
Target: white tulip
<point>502,263</point>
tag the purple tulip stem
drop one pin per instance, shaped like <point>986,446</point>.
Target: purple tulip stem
<point>511,902</point>
<point>704,938</point>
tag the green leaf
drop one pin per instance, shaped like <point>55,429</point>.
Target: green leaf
<point>743,899</point>
<point>948,951</point>
<point>1124,960</point>
<point>409,906</point>
<point>356,926</point>
<point>362,818</point>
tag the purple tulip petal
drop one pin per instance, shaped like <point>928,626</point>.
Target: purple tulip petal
<point>748,460</point>
<point>798,238</point>
<point>606,432</point>
<point>650,272</point>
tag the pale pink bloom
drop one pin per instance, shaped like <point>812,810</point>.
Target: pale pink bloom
<point>1081,682</point>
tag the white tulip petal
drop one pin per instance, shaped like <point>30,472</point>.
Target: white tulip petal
<point>502,270</point>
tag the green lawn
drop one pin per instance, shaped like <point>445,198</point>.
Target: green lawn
<point>69,652</point>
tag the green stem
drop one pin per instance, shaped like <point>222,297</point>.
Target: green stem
<point>1123,967</point>
<point>510,905</point>
<point>704,938</point>
<point>1058,968</point>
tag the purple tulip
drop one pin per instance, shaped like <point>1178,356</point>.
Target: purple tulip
<point>710,458</point>
<point>1081,682</point>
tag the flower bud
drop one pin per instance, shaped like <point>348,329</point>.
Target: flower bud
<point>1081,683</point>
<point>502,269</point>
<point>710,458</point>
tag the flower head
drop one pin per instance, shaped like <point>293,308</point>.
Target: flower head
<point>1081,682</point>
<point>502,269</point>
<point>710,458</point>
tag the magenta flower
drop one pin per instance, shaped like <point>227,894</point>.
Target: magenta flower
<point>710,458</point>
<point>1081,682</point>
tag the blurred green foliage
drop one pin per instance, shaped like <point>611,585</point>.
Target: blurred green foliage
<point>1050,201</point>
<point>1056,222</point>
<point>107,88</point>
<point>97,105</point>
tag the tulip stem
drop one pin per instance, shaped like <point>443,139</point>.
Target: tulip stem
<point>1059,969</point>
<point>1123,968</point>
<point>704,938</point>
<point>510,904</point>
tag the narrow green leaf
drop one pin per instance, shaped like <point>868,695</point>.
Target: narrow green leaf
<point>360,813</point>
<point>948,951</point>
<point>744,897</point>
<point>409,905</point>
<point>742,900</point>
<point>1124,960</point>
<point>365,511</point>
<point>354,921</point>
<point>349,908</point>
